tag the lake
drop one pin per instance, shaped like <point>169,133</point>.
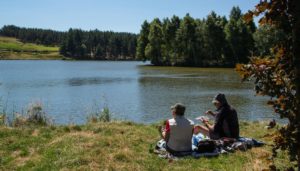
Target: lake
<point>71,90</point>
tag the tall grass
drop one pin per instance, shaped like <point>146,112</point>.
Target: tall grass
<point>103,116</point>
<point>2,113</point>
<point>35,115</point>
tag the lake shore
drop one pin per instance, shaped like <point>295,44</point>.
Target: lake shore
<point>118,146</point>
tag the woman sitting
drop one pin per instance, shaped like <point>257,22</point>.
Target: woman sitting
<point>226,120</point>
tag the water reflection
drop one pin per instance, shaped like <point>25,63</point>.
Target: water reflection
<point>132,91</point>
<point>195,88</point>
<point>95,80</point>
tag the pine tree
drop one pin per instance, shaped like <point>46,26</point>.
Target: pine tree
<point>239,36</point>
<point>186,39</point>
<point>143,41</point>
<point>153,50</point>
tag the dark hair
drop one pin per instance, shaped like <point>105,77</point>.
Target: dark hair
<point>179,109</point>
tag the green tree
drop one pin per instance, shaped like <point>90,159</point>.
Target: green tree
<point>170,34</point>
<point>186,39</point>
<point>153,50</point>
<point>265,37</point>
<point>143,41</point>
<point>239,37</point>
<point>201,59</point>
<point>214,39</point>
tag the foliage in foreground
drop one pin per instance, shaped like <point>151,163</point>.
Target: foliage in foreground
<point>278,75</point>
<point>35,115</point>
<point>117,146</point>
<point>103,116</point>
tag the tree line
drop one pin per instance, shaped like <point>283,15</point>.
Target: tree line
<point>213,41</point>
<point>79,44</point>
<point>99,45</point>
<point>33,35</point>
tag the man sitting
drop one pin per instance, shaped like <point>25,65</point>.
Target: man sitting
<point>178,132</point>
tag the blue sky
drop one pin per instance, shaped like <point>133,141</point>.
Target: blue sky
<point>115,15</point>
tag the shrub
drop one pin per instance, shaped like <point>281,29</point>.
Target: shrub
<point>35,116</point>
<point>2,119</point>
<point>103,116</point>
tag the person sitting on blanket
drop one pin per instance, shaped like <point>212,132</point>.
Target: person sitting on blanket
<point>178,132</point>
<point>197,136</point>
<point>226,120</point>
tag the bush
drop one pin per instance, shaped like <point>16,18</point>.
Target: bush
<point>2,119</point>
<point>103,116</point>
<point>35,116</point>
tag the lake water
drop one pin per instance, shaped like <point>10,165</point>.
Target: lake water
<point>71,90</point>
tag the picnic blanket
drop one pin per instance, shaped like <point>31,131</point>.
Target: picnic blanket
<point>221,146</point>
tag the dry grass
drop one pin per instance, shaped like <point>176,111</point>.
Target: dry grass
<point>115,146</point>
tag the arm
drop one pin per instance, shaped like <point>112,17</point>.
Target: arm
<point>167,132</point>
<point>209,126</point>
<point>209,112</point>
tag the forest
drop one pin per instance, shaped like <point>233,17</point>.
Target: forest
<point>211,42</point>
<point>79,44</point>
<point>214,41</point>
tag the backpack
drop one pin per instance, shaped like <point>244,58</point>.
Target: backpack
<point>206,146</point>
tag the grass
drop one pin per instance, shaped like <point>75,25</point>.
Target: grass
<point>117,146</point>
<point>100,116</point>
<point>11,48</point>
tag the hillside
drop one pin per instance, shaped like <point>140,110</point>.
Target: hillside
<point>117,146</point>
<point>11,48</point>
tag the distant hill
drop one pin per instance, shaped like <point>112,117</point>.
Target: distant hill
<point>12,48</point>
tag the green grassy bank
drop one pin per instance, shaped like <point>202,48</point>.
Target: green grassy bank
<point>11,48</point>
<point>117,146</point>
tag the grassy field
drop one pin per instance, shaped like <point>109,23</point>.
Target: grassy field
<point>11,48</point>
<point>117,146</point>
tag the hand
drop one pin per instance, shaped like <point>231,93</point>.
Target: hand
<point>209,112</point>
<point>204,120</point>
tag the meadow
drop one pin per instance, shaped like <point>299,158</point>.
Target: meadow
<point>12,49</point>
<point>119,145</point>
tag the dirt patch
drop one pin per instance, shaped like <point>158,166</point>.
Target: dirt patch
<point>21,160</point>
<point>87,134</point>
<point>94,165</point>
<point>35,133</point>
<point>72,134</point>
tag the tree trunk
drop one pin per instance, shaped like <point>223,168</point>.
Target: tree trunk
<point>296,46</point>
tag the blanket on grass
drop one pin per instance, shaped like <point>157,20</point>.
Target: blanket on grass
<point>222,146</point>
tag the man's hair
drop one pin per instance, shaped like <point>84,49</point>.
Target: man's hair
<point>179,109</point>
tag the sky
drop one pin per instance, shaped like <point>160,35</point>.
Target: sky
<point>113,15</point>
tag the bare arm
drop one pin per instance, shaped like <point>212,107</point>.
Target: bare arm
<point>209,112</point>
<point>208,125</point>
